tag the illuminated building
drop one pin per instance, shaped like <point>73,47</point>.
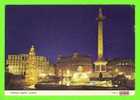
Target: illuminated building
<point>71,63</point>
<point>17,64</point>
<point>121,65</point>
<point>100,64</point>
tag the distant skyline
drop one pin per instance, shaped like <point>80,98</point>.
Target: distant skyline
<point>57,29</point>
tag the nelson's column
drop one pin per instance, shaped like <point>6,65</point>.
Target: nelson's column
<point>100,64</point>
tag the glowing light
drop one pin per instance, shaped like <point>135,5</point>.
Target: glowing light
<point>60,82</point>
<point>116,70</point>
<point>80,76</point>
<point>120,73</point>
<point>68,84</point>
<point>80,69</point>
<point>100,63</point>
<point>31,87</point>
<point>129,77</point>
<point>66,79</point>
<point>68,73</point>
<point>51,74</point>
<point>42,75</point>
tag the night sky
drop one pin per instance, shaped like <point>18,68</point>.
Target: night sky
<point>66,29</point>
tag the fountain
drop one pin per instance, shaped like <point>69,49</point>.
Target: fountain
<point>80,77</point>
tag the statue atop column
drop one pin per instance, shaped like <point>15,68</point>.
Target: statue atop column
<point>100,64</point>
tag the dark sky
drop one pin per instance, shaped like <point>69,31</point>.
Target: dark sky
<point>66,29</point>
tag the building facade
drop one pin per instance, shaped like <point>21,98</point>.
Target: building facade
<point>121,65</point>
<point>17,64</point>
<point>71,63</point>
